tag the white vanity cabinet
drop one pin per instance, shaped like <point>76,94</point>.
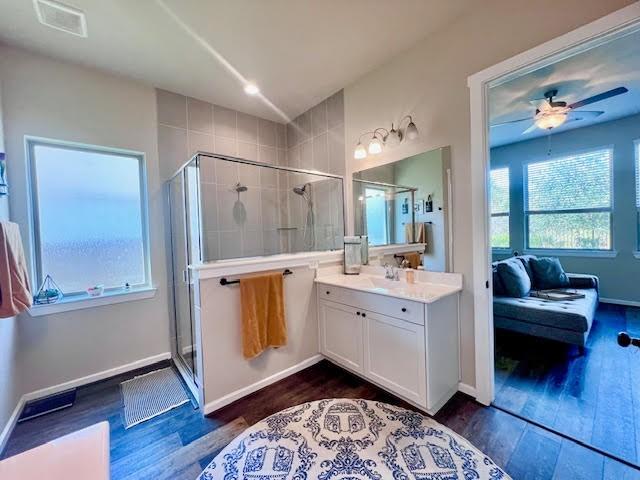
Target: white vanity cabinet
<point>409,348</point>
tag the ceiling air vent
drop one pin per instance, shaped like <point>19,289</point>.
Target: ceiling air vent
<point>61,17</point>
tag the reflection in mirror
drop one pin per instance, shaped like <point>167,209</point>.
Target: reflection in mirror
<point>407,201</point>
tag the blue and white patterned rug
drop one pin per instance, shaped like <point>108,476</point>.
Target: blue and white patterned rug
<point>350,439</point>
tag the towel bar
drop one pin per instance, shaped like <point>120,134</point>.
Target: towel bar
<point>224,281</point>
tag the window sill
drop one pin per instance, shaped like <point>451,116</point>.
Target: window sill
<point>573,253</point>
<point>501,251</point>
<point>78,303</point>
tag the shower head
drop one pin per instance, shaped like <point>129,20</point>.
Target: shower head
<point>300,190</point>
<point>240,188</point>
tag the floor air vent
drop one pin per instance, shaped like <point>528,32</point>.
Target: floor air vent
<point>52,403</point>
<point>61,17</point>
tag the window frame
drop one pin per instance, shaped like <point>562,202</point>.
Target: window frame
<point>34,222</point>
<point>636,169</point>
<point>526,212</point>
<point>501,250</point>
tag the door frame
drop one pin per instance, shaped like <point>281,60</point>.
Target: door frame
<point>611,26</point>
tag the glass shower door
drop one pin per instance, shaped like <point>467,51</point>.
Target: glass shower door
<point>183,307</point>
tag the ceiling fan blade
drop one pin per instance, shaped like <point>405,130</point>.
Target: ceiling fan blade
<point>599,97</point>
<point>530,129</point>
<point>583,114</point>
<point>511,122</point>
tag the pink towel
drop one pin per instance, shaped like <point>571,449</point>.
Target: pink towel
<point>15,293</point>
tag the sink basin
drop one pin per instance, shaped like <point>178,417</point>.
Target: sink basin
<point>425,292</point>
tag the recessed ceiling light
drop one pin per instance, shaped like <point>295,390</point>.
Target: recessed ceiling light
<point>251,89</point>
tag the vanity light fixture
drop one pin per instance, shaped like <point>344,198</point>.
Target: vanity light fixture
<point>395,137</point>
<point>412,131</point>
<point>360,152</point>
<point>377,141</point>
<point>381,137</point>
<point>251,89</point>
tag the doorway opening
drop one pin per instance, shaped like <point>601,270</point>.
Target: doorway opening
<point>559,234</point>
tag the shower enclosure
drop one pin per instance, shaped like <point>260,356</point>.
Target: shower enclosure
<point>385,212</point>
<point>223,208</point>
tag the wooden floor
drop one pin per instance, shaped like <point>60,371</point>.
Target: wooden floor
<point>593,397</point>
<point>180,443</point>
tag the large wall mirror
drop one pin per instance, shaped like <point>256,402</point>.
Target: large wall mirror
<point>407,201</point>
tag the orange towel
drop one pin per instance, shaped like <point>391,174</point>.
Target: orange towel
<point>263,322</point>
<point>413,259</point>
<point>15,293</point>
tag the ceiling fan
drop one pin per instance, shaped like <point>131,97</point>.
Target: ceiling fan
<point>552,113</point>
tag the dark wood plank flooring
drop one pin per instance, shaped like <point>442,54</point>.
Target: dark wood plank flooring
<point>594,397</point>
<point>180,443</point>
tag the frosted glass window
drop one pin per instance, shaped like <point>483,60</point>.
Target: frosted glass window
<point>376,211</point>
<point>499,188</point>
<point>568,201</point>
<point>89,217</point>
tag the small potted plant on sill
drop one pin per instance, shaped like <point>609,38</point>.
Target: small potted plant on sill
<point>48,292</point>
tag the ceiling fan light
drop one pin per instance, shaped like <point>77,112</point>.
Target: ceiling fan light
<point>412,131</point>
<point>360,152</point>
<point>554,120</point>
<point>375,146</point>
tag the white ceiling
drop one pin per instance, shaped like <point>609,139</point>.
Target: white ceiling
<point>594,71</point>
<point>298,51</point>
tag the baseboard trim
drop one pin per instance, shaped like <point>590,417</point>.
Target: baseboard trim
<point>243,392</point>
<point>11,423</point>
<point>78,382</point>
<point>468,389</point>
<point>96,377</point>
<point>626,303</point>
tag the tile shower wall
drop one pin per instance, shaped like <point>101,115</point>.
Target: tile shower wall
<point>234,224</point>
<point>315,141</point>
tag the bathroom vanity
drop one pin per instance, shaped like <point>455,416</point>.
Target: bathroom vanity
<point>403,337</point>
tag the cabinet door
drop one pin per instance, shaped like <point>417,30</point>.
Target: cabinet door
<point>395,356</point>
<point>341,334</point>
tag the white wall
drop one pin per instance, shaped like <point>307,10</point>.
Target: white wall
<point>9,394</point>
<point>429,82</point>
<point>225,370</point>
<point>48,98</point>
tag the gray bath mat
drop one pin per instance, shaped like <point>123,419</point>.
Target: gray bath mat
<point>151,394</point>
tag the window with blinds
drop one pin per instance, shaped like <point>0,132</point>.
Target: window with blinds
<point>499,188</point>
<point>568,202</point>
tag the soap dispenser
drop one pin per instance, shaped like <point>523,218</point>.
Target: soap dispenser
<point>352,255</point>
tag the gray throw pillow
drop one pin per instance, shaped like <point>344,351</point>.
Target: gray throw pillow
<point>526,261</point>
<point>548,273</point>
<point>514,278</point>
<point>498,288</point>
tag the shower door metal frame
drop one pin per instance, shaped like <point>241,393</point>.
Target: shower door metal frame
<point>406,189</point>
<point>188,373</point>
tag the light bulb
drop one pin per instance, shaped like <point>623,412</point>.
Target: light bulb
<point>375,146</point>
<point>412,131</point>
<point>360,152</point>
<point>251,89</point>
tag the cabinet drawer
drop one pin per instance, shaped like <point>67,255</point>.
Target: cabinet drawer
<point>394,307</point>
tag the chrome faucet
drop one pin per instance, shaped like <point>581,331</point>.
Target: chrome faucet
<point>391,272</point>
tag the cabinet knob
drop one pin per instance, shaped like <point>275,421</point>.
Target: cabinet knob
<point>328,292</point>
<point>357,313</point>
<point>364,314</point>
<point>404,309</point>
